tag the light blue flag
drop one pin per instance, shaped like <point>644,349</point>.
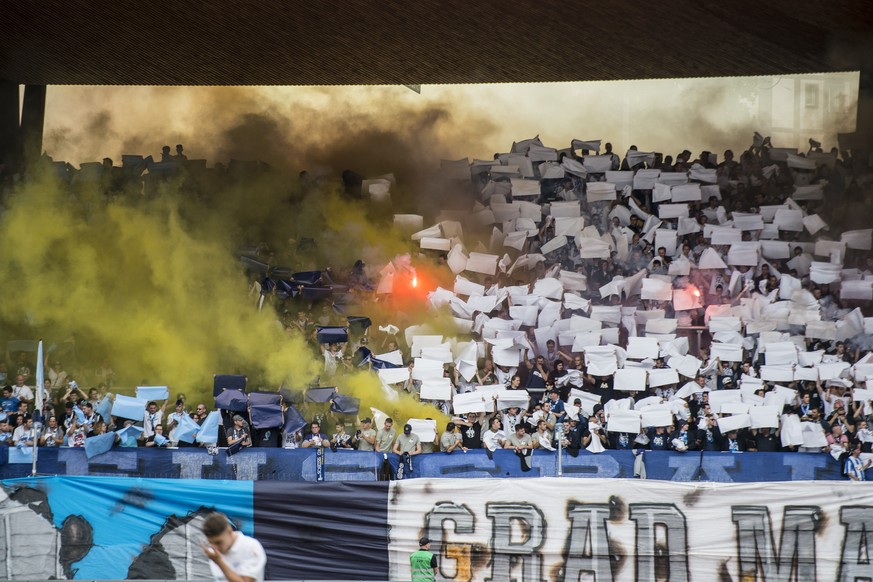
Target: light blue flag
<point>127,407</point>
<point>209,430</point>
<point>97,445</point>
<point>22,454</point>
<point>104,408</point>
<point>153,392</point>
<point>40,379</point>
<point>186,429</point>
<point>129,435</point>
<point>160,440</point>
<point>80,416</point>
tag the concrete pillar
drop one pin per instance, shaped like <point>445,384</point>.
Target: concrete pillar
<point>865,105</point>
<point>9,143</point>
<point>32,121</point>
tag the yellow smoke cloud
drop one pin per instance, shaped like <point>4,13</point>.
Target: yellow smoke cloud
<point>138,286</point>
<point>153,286</point>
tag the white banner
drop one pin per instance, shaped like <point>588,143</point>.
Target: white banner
<point>621,530</point>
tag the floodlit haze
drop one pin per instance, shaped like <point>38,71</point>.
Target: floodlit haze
<point>88,123</point>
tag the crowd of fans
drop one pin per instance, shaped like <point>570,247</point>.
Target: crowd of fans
<point>597,302</point>
<point>646,303</point>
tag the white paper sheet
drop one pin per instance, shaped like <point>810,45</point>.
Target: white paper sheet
<point>600,191</point>
<point>811,192</point>
<point>724,235</point>
<point>661,326</point>
<point>582,340</point>
<point>726,352</point>
<point>656,289</point>
<point>814,223</point>
<point>764,416</point>
<point>472,402</point>
<point>736,422</point>
<point>630,379</point>
<point>790,220</point>
<point>596,164</point>
<point>424,429</point>
<point>685,299</point>
<point>710,259</point>
<point>663,377</point>
<point>569,226</point>
<point>394,375</point>
<point>743,253</point>
<point>645,179</point>
<point>642,347</point>
<point>624,421</point>
<point>685,365</point>
<point>686,193</point>
<point>775,249</point>
<point>436,389</point>
<point>656,418</point>
<point>777,373</point>
<point>565,210</point>
<point>573,281</point>
<point>858,239</point>
<point>668,211</point>
<point>549,287</point>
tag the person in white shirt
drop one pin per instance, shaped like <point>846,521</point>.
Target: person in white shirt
<point>233,556</point>
<point>333,357</point>
<point>24,434</point>
<point>855,467</point>
<point>22,392</point>
<point>494,438</point>
<point>174,419</point>
<point>56,375</point>
<point>153,416</point>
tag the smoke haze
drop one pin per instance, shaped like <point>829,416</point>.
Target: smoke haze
<point>152,285</point>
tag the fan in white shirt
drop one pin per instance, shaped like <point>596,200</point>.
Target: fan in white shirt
<point>494,438</point>
<point>22,392</point>
<point>233,556</point>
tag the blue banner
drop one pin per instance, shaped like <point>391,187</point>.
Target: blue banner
<point>335,531</point>
<point>300,465</point>
<point>117,528</point>
<point>122,528</point>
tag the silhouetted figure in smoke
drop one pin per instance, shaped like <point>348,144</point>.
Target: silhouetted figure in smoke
<point>166,156</point>
<point>112,179</point>
<point>305,182</point>
<point>358,279</point>
<point>180,158</point>
<point>352,182</point>
<point>607,151</point>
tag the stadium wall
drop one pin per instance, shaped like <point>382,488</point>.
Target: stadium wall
<point>483,529</point>
<point>259,464</point>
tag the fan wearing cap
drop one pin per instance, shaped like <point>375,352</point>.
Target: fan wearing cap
<point>365,438</point>
<point>423,563</point>
<point>407,442</point>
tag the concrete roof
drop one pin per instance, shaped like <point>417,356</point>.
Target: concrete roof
<point>328,42</point>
